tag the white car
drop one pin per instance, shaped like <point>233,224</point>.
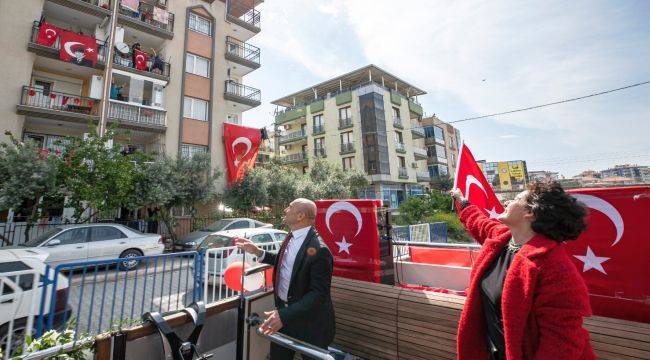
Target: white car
<point>21,298</point>
<point>190,241</point>
<point>88,242</point>
<point>219,259</point>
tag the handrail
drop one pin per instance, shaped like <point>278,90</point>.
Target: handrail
<point>101,45</point>
<point>242,90</point>
<point>439,245</point>
<point>156,63</point>
<point>242,49</point>
<point>55,100</point>
<point>146,16</point>
<point>290,342</point>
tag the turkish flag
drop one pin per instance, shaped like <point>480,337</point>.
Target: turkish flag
<point>349,229</point>
<point>612,253</point>
<point>140,58</point>
<point>242,145</point>
<point>473,184</point>
<point>47,34</point>
<point>78,49</point>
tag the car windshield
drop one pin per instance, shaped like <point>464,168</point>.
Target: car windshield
<point>215,241</point>
<point>42,237</point>
<point>218,226</point>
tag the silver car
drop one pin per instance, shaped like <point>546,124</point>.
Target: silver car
<point>87,242</point>
<point>190,241</point>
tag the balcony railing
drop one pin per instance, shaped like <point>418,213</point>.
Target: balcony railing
<point>101,45</point>
<point>246,93</point>
<point>242,50</point>
<point>347,148</point>
<point>318,129</point>
<point>136,114</point>
<point>418,132</point>
<point>147,15</point>
<point>293,136</point>
<point>294,158</point>
<point>423,176</point>
<point>402,172</point>
<point>397,122</point>
<point>319,152</point>
<point>345,123</point>
<point>54,100</point>
<point>420,152</point>
<point>155,64</point>
<point>399,147</point>
<point>250,17</point>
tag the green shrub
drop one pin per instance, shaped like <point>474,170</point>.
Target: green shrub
<point>456,232</point>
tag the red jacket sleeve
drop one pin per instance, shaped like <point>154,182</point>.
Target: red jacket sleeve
<point>479,225</point>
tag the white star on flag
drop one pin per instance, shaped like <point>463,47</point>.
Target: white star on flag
<point>90,49</point>
<point>344,246</point>
<point>493,213</point>
<point>591,261</point>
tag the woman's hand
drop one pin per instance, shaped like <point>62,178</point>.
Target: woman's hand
<point>457,195</point>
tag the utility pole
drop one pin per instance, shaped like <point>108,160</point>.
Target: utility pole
<point>108,71</point>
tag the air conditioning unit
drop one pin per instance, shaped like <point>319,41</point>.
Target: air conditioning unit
<point>414,165</point>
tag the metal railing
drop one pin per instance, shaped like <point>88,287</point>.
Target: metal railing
<point>136,114</point>
<point>249,16</point>
<point>242,50</point>
<point>101,45</point>
<point>293,158</point>
<point>318,129</point>
<point>347,147</point>
<point>402,172</point>
<point>400,147</point>
<point>146,15</point>
<point>155,64</point>
<point>418,130</point>
<point>54,100</point>
<point>319,152</point>
<point>243,91</point>
<point>345,123</point>
<point>18,308</point>
<point>420,151</point>
<point>423,175</point>
<point>293,136</point>
<point>397,122</point>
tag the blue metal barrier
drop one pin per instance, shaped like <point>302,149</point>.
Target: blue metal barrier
<point>102,295</point>
<point>437,232</point>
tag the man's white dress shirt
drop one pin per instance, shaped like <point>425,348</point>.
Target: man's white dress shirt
<point>289,259</point>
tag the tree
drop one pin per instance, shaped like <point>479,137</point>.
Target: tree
<point>27,176</point>
<point>442,183</point>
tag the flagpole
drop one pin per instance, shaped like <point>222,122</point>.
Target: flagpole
<point>108,71</point>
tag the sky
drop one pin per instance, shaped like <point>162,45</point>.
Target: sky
<point>481,57</point>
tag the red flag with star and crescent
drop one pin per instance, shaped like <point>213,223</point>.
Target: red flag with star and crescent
<point>140,58</point>
<point>474,186</point>
<point>78,49</point>
<point>349,229</point>
<point>242,145</point>
<point>612,253</point>
<point>47,34</point>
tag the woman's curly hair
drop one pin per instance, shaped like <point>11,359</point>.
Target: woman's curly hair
<point>558,215</point>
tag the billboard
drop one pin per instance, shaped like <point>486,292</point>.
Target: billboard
<point>505,175</point>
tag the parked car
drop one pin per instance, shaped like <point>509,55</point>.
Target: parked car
<point>218,261</point>
<point>87,242</point>
<point>190,241</point>
<point>19,293</point>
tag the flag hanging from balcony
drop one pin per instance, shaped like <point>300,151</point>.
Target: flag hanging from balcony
<point>47,34</point>
<point>140,58</point>
<point>78,49</point>
<point>242,145</point>
<point>474,186</point>
<point>161,15</point>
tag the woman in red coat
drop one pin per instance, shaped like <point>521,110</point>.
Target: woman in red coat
<point>526,300</point>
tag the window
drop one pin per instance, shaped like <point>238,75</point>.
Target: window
<point>444,170</point>
<point>402,161</point>
<point>261,238</point>
<point>101,233</point>
<point>319,143</point>
<point>73,236</point>
<point>137,91</point>
<point>372,166</point>
<point>187,150</point>
<point>215,241</point>
<point>200,24</point>
<point>197,65</point>
<point>395,113</point>
<point>305,169</point>
<point>347,162</point>
<point>280,236</point>
<point>346,137</point>
<point>440,151</point>
<point>318,120</point>
<point>240,224</point>
<point>345,113</point>
<point>195,109</point>
<point>398,137</point>
<point>233,119</point>
<point>258,223</point>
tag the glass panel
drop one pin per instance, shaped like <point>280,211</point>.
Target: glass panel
<point>102,233</point>
<point>73,236</point>
<point>187,107</point>
<point>189,63</point>
<point>136,90</point>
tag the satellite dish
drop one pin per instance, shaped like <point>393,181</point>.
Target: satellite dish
<point>122,48</point>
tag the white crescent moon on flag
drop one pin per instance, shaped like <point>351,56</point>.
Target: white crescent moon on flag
<point>606,208</point>
<point>139,58</point>
<point>469,180</point>
<point>241,140</point>
<point>47,32</point>
<point>344,206</point>
<point>68,45</point>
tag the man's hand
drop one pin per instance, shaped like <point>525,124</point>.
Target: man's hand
<point>272,324</point>
<point>248,246</point>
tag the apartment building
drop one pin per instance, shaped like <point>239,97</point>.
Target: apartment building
<point>366,119</point>
<point>442,142</point>
<point>176,69</point>
<point>505,175</point>
<point>543,175</point>
<point>639,174</point>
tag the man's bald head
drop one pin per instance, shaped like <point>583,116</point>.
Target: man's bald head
<point>300,213</point>
<point>306,206</point>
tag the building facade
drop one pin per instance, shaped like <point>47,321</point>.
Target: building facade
<point>505,175</point>
<point>367,119</point>
<point>177,71</point>
<point>442,142</point>
<point>639,174</point>
<point>543,176</point>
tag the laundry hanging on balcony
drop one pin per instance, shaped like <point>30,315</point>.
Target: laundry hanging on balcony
<point>161,15</point>
<point>47,34</point>
<point>132,5</point>
<point>140,58</point>
<point>78,49</point>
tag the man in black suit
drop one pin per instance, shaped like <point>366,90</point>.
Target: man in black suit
<point>302,279</point>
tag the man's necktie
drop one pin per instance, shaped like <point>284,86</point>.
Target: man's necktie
<point>283,250</point>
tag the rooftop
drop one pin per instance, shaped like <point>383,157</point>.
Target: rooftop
<point>349,81</point>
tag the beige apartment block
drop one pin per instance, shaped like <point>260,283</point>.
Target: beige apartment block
<point>442,142</point>
<point>367,119</point>
<point>199,53</point>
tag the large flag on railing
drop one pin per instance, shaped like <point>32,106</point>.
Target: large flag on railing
<point>242,145</point>
<point>78,49</point>
<point>140,58</point>
<point>473,184</point>
<point>47,34</point>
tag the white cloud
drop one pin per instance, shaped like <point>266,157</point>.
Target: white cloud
<point>508,136</point>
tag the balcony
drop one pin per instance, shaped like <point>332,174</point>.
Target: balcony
<point>244,54</point>
<point>289,115</point>
<point>318,130</point>
<point>345,123</point>
<point>293,136</point>
<point>397,123</point>
<point>242,94</point>
<point>347,148</point>
<point>423,176</point>
<point>294,158</point>
<point>420,154</point>
<point>417,132</point>
<point>137,116</point>
<point>248,19</point>
<point>52,52</point>
<point>156,67</point>
<point>400,148</point>
<point>434,160</point>
<point>57,105</point>
<point>402,172</point>
<point>150,19</point>
<point>433,141</point>
<point>319,152</point>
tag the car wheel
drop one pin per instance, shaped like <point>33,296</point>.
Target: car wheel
<point>129,263</point>
<point>17,336</point>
